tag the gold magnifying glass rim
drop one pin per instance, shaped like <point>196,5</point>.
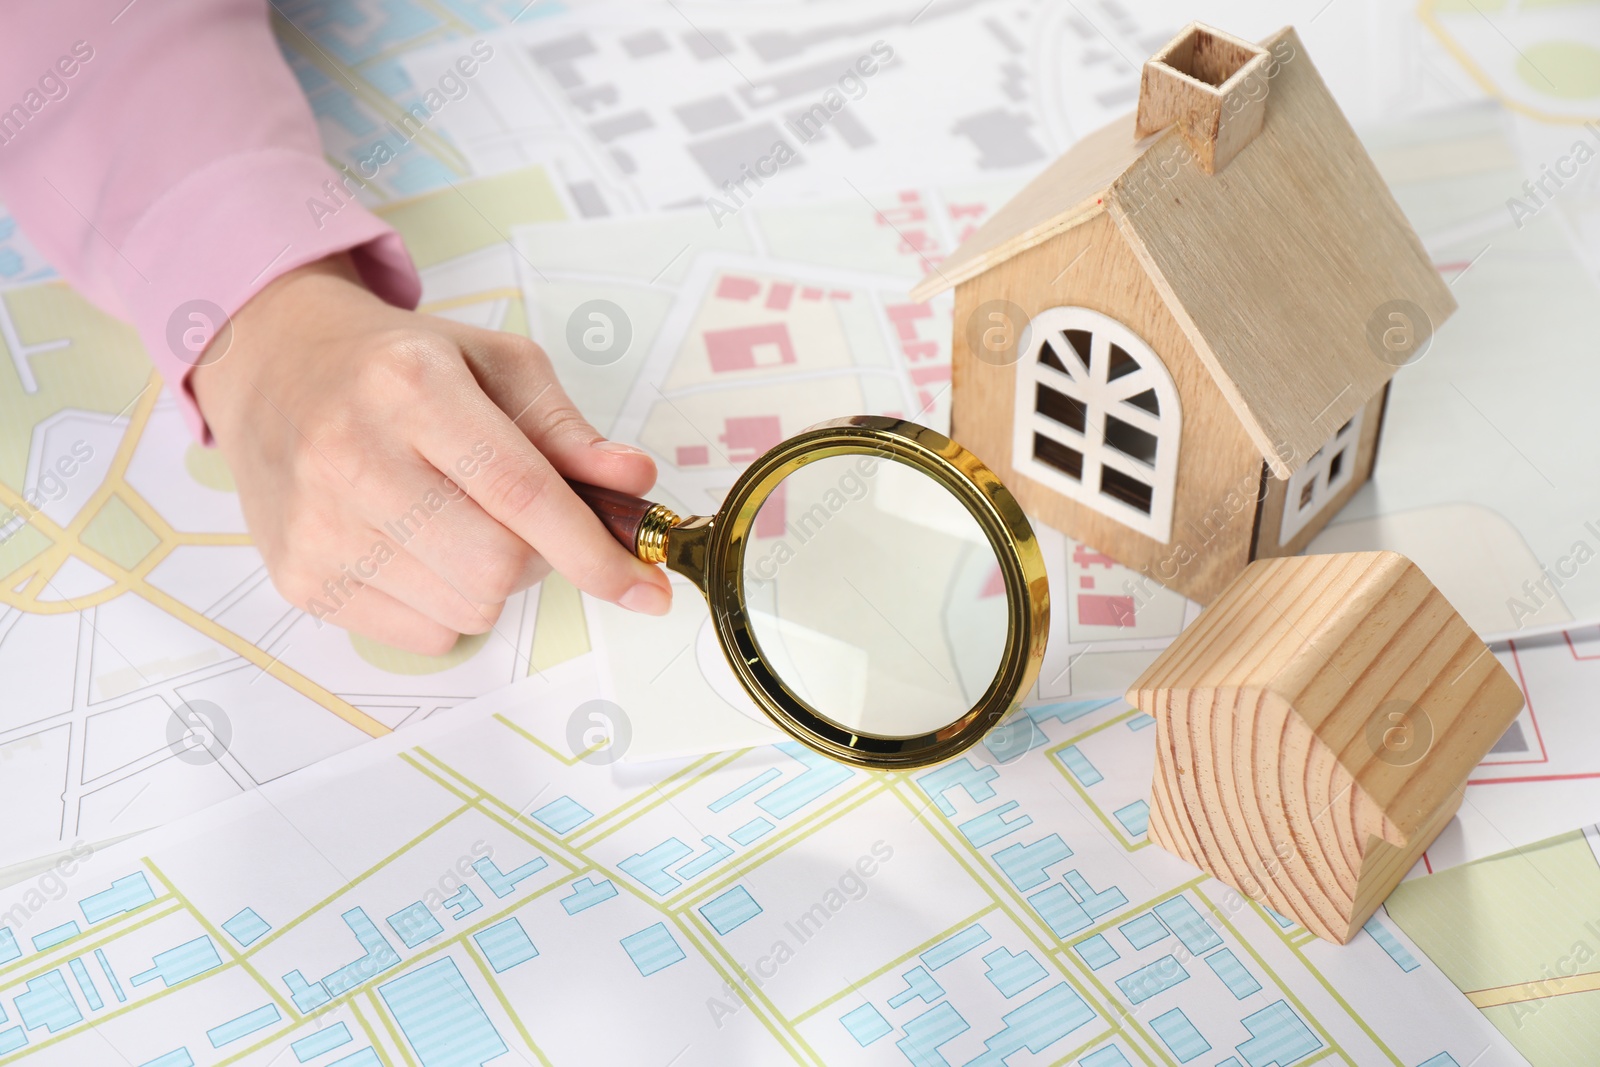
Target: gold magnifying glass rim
<point>710,552</point>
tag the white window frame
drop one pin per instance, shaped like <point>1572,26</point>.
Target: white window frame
<point>1346,441</point>
<point>1099,395</point>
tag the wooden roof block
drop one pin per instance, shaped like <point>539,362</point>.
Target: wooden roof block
<point>1315,727</point>
<point>1277,268</point>
<point>1338,637</point>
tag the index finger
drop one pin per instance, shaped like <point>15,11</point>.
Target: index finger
<point>472,441</point>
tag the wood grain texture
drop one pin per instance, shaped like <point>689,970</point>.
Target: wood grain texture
<point>1065,194</point>
<point>1267,543</point>
<point>1211,88</point>
<point>1218,466</point>
<point>620,513</point>
<point>1276,266</point>
<point>1277,767</point>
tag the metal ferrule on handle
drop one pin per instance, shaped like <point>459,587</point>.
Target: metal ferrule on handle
<point>650,544</point>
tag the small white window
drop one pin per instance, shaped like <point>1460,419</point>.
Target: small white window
<point>1096,418</point>
<point>1329,470</point>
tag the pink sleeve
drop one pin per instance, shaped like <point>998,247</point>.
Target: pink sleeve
<point>160,153</point>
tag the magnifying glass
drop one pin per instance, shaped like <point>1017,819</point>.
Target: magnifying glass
<point>876,590</point>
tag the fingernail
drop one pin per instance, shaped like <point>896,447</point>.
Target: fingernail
<point>618,448</point>
<point>647,599</point>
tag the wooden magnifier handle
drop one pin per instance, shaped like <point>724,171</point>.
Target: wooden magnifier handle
<point>622,514</point>
<point>625,516</point>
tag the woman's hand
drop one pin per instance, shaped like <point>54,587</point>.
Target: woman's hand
<point>403,474</point>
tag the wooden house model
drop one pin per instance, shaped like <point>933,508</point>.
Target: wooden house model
<point>1315,727</point>
<point>1175,344</point>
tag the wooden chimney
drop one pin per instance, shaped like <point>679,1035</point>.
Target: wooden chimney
<point>1212,87</point>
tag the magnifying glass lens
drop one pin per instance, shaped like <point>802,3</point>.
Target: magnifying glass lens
<point>875,596</point>
<point>877,592</point>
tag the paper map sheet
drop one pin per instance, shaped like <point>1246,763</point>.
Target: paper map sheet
<point>466,893</point>
<point>1535,972</point>
<point>129,591</point>
<point>744,334</point>
<point>1544,774</point>
<point>135,616</point>
<point>133,591</point>
<point>1481,479</point>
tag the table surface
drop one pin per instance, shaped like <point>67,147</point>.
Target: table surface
<point>583,163</point>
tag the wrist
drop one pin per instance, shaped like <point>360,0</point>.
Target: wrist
<point>221,380</point>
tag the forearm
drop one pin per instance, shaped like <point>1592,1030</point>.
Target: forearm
<point>162,156</point>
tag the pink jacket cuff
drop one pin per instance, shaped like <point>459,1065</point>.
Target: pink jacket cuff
<point>163,157</point>
<point>225,232</point>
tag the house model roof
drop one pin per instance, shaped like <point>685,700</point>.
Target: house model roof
<point>1281,268</point>
<point>1333,641</point>
<point>1315,727</point>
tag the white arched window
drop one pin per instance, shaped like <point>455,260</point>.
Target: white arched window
<point>1097,418</point>
<point>1328,471</point>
